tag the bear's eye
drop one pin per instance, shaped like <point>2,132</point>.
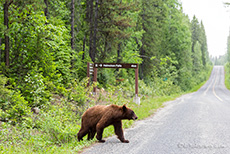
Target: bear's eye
<point>132,112</point>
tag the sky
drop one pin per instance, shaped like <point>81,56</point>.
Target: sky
<point>216,19</point>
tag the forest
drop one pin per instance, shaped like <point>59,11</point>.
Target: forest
<point>44,49</point>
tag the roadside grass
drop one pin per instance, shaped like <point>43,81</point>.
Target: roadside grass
<point>197,87</point>
<point>227,76</point>
<point>18,139</point>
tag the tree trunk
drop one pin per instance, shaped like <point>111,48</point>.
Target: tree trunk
<point>72,24</point>
<point>103,55</point>
<point>83,48</point>
<point>95,32</point>
<point>141,69</point>
<point>119,53</point>
<point>46,9</point>
<point>0,50</point>
<point>119,47</point>
<point>7,39</point>
<point>91,30</point>
<point>142,50</point>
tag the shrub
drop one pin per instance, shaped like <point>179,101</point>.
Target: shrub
<point>59,123</point>
<point>13,107</point>
<point>34,89</point>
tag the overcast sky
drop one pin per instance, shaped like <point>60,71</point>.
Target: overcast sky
<point>216,20</point>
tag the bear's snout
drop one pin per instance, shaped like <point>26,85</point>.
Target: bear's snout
<point>135,117</point>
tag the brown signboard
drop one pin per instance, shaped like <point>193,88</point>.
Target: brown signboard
<point>115,65</point>
<point>92,69</point>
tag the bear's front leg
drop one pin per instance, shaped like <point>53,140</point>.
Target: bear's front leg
<point>119,132</point>
<point>100,129</point>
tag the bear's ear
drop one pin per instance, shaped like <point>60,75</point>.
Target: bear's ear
<point>124,107</point>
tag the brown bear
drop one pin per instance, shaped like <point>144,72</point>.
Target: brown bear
<point>96,118</point>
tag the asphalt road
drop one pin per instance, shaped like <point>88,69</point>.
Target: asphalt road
<point>196,123</point>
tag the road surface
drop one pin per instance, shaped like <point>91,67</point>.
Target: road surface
<point>196,123</point>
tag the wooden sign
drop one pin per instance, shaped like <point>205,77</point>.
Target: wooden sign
<point>115,65</point>
<point>92,69</point>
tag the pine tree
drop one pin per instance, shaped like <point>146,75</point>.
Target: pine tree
<point>228,48</point>
<point>108,21</point>
<point>195,29</point>
<point>204,48</point>
<point>152,18</point>
<point>177,42</point>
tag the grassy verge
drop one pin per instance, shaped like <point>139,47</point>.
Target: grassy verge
<point>198,86</point>
<point>58,139</point>
<point>227,75</point>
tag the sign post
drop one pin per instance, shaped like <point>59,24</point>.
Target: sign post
<point>118,65</point>
<point>136,80</point>
<point>94,79</point>
<point>90,70</point>
<point>136,99</point>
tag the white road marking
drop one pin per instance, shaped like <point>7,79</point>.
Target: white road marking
<point>213,89</point>
<point>208,87</point>
<point>215,74</point>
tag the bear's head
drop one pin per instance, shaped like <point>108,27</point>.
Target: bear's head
<point>128,113</point>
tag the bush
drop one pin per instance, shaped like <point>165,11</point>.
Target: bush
<point>34,89</point>
<point>59,123</point>
<point>13,107</point>
<point>79,92</point>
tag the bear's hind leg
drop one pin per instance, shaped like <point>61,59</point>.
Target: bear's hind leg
<point>89,133</point>
<point>93,132</point>
<point>81,134</point>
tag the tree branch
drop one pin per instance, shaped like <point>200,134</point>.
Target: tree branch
<point>10,2</point>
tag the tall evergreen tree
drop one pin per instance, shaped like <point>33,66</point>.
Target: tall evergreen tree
<point>177,42</point>
<point>152,19</point>
<point>108,21</point>
<point>197,58</point>
<point>204,48</point>
<point>199,44</point>
<point>228,47</point>
<point>195,29</point>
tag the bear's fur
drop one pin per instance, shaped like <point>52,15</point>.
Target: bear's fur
<point>96,118</point>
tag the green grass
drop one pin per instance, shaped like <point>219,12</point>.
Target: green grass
<point>227,76</point>
<point>17,139</point>
<point>197,87</point>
